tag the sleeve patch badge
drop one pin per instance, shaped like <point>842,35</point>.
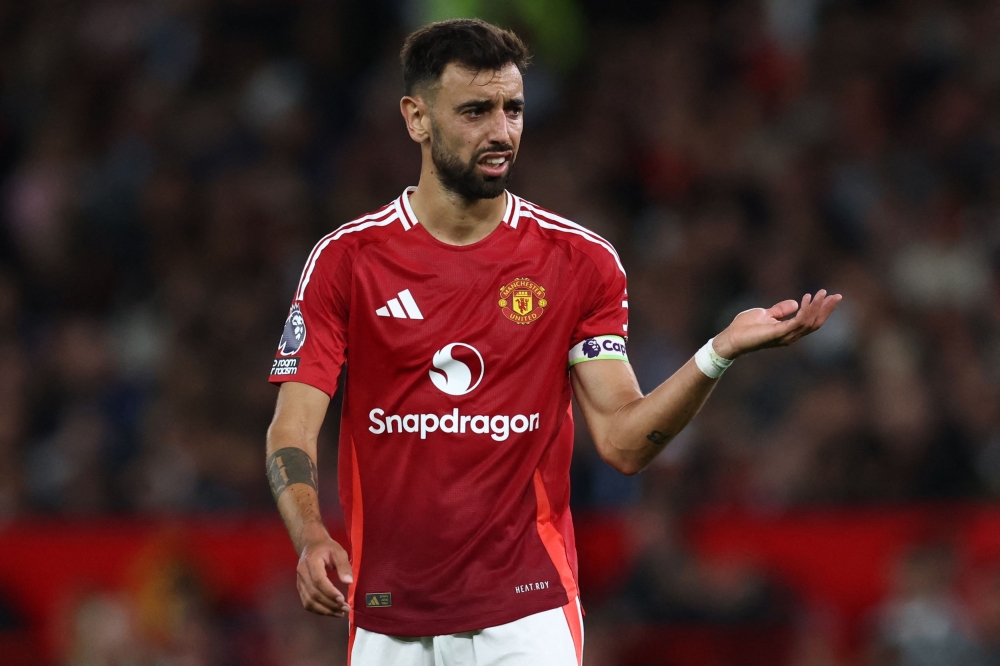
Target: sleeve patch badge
<point>294,335</point>
<point>284,366</point>
<point>522,300</point>
<point>378,599</point>
<point>600,348</point>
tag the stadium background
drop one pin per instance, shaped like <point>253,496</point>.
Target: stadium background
<point>166,166</point>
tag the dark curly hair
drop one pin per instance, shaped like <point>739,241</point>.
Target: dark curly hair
<point>472,43</point>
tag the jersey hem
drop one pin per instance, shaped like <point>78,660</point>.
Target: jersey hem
<point>447,626</point>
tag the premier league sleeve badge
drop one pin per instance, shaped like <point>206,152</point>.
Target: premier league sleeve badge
<point>294,335</point>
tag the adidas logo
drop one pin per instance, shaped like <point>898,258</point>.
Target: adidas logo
<point>402,308</point>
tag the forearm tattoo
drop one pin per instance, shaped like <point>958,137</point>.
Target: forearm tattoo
<point>289,466</point>
<point>657,437</point>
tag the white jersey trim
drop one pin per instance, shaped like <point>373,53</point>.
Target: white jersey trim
<point>409,218</point>
<point>508,209</point>
<point>516,216</point>
<point>557,223</point>
<point>397,204</point>
<point>406,214</point>
<point>371,216</point>
<point>388,217</point>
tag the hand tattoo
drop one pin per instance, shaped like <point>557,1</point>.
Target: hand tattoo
<point>289,466</point>
<point>658,438</point>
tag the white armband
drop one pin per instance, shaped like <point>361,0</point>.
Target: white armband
<point>709,361</point>
<point>599,348</point>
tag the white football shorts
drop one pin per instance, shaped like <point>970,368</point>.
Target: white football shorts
<point>550,638</point>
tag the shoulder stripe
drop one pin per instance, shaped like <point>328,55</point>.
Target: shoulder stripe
<point>516,215</point>
<point>359,225</point>
<point>381,212</point>
<point>552,217</point>
<point>547,225</point>
<point>557,223</point>
<point>401,212</point>
<point>406,214</point>
<point>508,209</point>
<point>364,218</point>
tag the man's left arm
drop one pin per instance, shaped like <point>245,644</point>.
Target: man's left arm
<point>630,429</point>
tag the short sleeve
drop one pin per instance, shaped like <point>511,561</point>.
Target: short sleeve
<point>604,310</point>
<point>313,343</point>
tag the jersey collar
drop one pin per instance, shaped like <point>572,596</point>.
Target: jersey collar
<point>409,218</point>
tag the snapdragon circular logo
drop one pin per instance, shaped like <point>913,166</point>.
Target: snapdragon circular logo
<point>456,365</point>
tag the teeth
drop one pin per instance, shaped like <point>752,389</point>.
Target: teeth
<point>496,160</point>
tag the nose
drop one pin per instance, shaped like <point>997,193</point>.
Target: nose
<point>498,130</point>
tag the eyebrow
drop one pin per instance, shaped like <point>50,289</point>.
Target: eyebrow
<point>484,104</point>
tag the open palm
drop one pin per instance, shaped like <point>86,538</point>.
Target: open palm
<point>759,328</point>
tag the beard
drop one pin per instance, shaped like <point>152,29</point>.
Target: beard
<point>464,179</point>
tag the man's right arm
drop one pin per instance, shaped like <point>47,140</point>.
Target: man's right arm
<point>291,471</point>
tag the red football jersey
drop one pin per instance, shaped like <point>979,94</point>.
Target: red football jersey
<point>457,432</point>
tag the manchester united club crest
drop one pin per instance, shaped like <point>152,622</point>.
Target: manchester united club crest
<point>522,301</point>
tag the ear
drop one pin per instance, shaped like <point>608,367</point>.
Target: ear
<point>416,114</point>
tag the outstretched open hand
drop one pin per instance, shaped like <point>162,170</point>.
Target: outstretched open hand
<point>759,328</point>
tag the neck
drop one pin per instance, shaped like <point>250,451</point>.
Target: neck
<point>449,217</point>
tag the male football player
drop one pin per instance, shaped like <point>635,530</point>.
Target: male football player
<point>467,317</point>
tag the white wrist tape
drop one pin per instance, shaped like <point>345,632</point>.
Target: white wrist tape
<point>709,362</point>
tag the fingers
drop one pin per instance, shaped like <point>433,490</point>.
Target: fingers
<point>321,581</point>
<point>811,307</point>
<point>813,313</point>
<point>316,591</point>
<point>311,600</point>
<point>827,308</point>
<point>760,329</point>
<point>822,307</point>
<point>783,309</point>
<point>789,329</point>
<point>337,559</point>
<point>315,601</point>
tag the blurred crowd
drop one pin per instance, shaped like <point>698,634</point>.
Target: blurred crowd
<point>166,166</point>
<point>743,157</point>
<point>173,620</point>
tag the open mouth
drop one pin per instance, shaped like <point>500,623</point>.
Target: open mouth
<point>495,164</point>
